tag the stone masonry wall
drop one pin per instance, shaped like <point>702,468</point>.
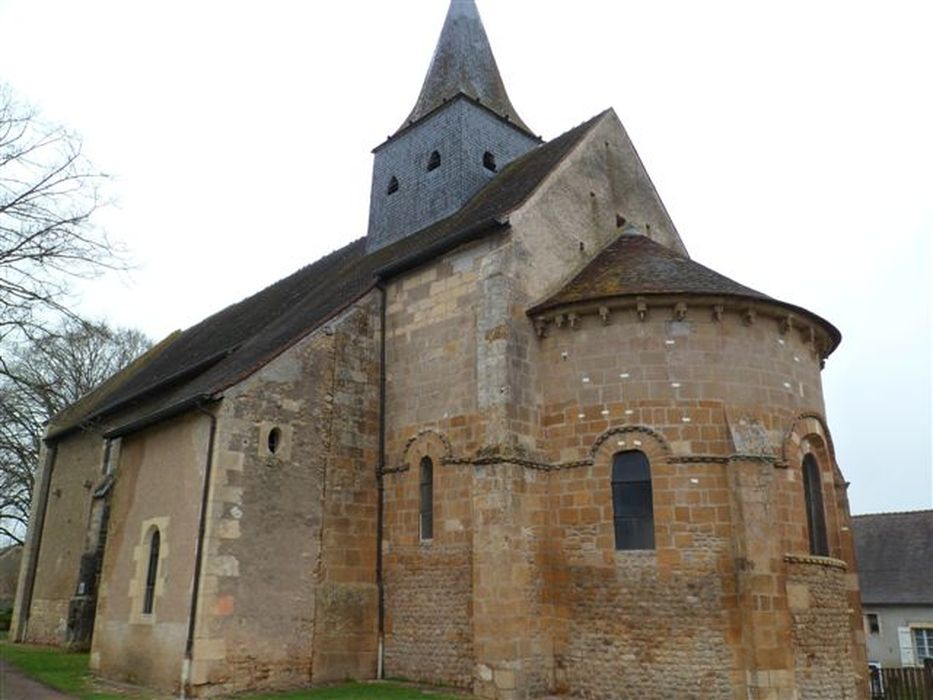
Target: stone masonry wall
<point>288,591</point>
<point>822,638</point>
<point>158,486</point>
<point>76,471</point>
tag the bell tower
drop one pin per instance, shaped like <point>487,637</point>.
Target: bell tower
<point>462,131</point>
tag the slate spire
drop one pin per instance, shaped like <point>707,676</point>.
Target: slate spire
<point>463,63</point>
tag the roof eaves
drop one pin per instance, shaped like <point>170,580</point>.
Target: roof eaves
<point>446,103</point>
<point>445,244</point>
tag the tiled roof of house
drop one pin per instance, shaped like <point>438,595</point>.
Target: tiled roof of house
<point>230,345</point>
<point>894,552</point>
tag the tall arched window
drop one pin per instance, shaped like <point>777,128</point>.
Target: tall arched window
<point>427,498</point>
<point>434,161</point>
<point>632,506</point>
<point>813,496</point>
<point>149,597</point>
<point>393,185</point>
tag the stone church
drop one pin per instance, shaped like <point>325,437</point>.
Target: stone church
<point>514,440</point>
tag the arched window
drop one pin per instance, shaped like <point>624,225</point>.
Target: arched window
<point>632,507</point>
<point>393,185</point>
<point>434,162</point>
<point>489,161</point>
<point>149,597</point>
<point>427,498</point>
<point>813,496</point>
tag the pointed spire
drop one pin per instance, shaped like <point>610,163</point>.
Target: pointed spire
<point>463,63</point>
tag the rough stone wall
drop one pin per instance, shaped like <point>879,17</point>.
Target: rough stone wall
<point>288,590</point>
<point>822,635</point>
<point>428,583</point>
<point>461,133</point>
<point>647,624</point>
<point>75,473</point>
<point>158,484</point>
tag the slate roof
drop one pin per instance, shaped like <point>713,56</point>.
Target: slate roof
<point>463,64</point>
<point>230,345</point>
<point>634,264</point>
<point>894,552</point>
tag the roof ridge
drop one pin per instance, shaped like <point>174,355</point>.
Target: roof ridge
<point>894,512</point>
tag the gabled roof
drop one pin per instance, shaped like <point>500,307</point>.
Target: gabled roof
<point>635,265</point>
<point>894,552</point>
<point>463,64</point>
<point>230,345</point>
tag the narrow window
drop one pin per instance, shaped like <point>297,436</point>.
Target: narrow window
<point>393,185</point>
<point>813,496</point>
<point>434,162</point>
<point>274,440</point>
<point>149,597</point>
<point>632,507</point>
<point>923,639</point>
<point>427,498</point>
<point>489,161</point>
<point>874,627</point>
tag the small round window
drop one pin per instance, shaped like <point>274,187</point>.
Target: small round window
<point>274,441</point>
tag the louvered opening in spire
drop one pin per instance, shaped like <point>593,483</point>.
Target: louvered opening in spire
<point>463,64</point>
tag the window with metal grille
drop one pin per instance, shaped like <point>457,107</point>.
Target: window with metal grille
<point>149,597</point>
<point>427,498</point>
<point>874,626</point>
<point>813,497</point>
<point>632,506</point>
<point>393,185</point>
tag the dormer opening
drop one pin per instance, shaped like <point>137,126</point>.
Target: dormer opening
<point>393,185</point>
<point>489,161</point>
<point>434,161</point>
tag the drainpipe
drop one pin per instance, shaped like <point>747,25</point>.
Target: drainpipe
<point>198,555</point>
<point>29,581</point>
<point>380,486</point>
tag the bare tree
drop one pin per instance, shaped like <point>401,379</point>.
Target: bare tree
<point>40,377</point>
<point>48,192</point>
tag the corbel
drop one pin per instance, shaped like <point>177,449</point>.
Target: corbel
<point>680,311</point>
<point>604,315</point>
<point>787,324</point>
<point>560,320</point>
<point>641,308</point>
<point>718,311</point>
<point>540,326</point>
<point>748,315</point>
<point>574,320</point>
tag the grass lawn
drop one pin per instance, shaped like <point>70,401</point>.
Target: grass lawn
<point>60,670</point>
<point>68,673</point>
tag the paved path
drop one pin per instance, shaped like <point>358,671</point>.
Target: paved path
<point>15,686</point>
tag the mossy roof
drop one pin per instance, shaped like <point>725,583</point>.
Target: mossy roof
<point>225,348</point>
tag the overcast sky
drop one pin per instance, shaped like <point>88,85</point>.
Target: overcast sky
<point>792,143</point>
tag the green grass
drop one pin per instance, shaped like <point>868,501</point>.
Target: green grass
<point>68,672</point>
<point>59,669</point>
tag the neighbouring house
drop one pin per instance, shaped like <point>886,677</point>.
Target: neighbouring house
<point>895,557</point>
<point>513,440</point>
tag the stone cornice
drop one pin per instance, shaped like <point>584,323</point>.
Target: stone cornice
<point>819,334</point>
<point>815,560</point>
